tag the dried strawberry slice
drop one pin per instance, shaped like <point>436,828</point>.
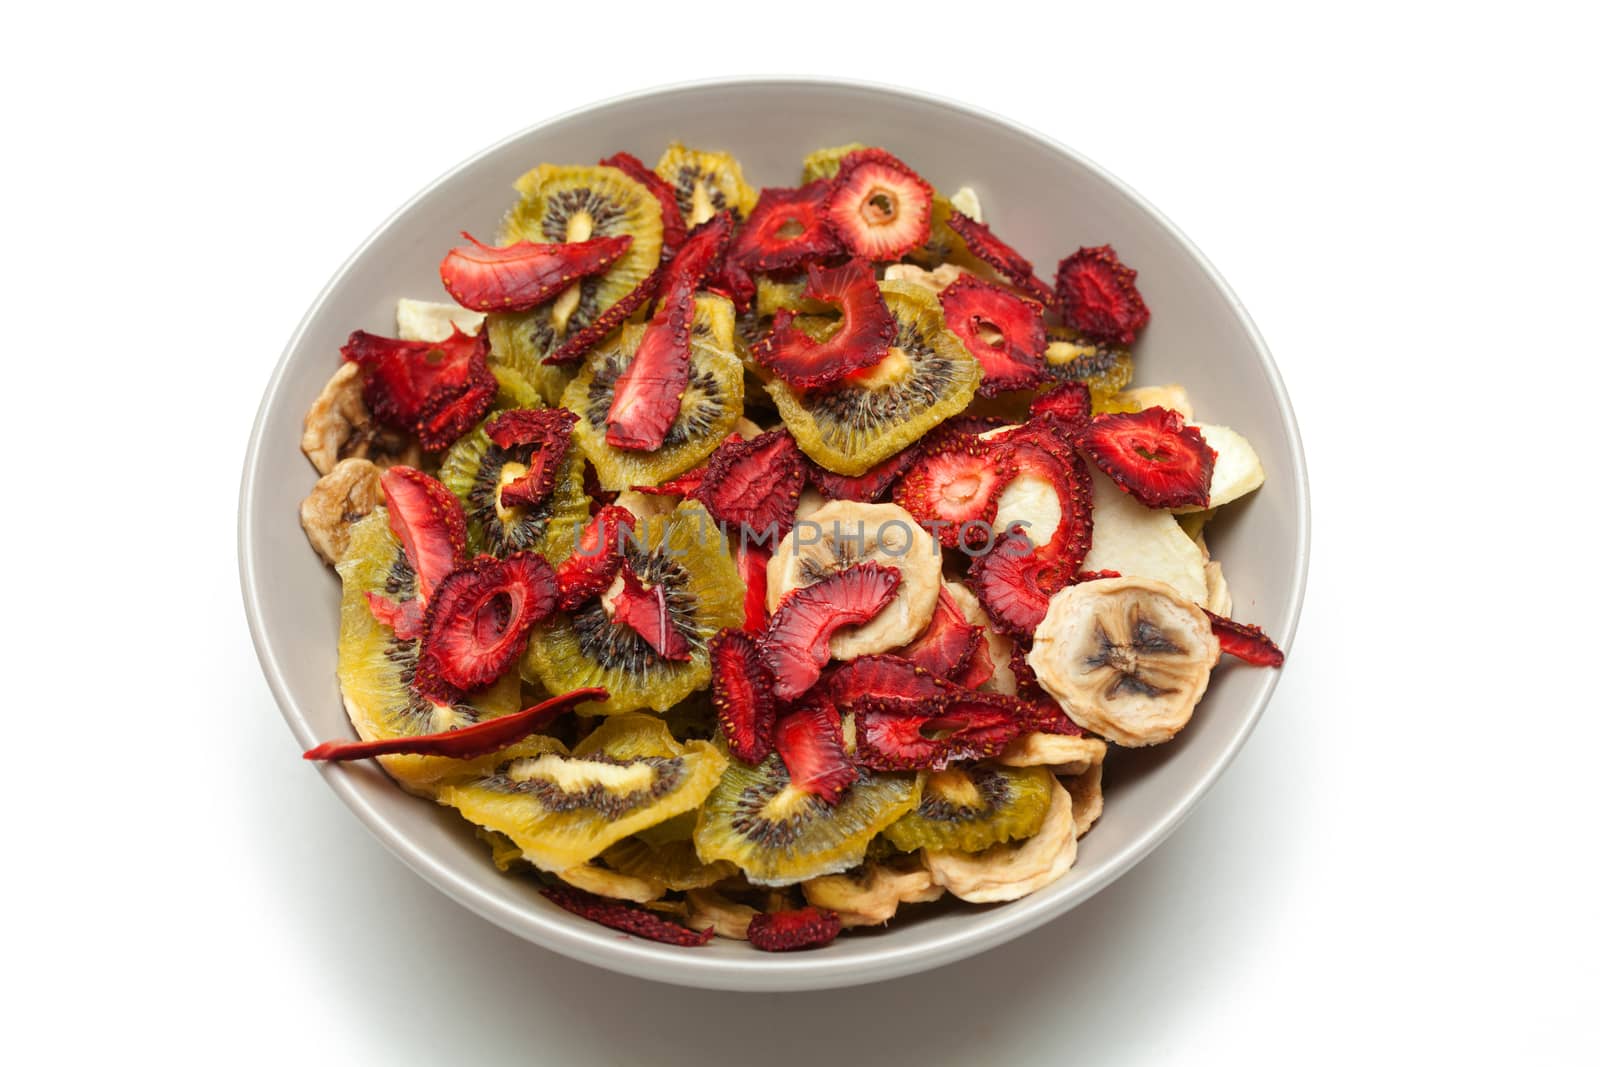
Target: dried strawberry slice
<point>895,735</point>
<point>954,488</point>
<point>467,742</point>
<point>673,228</point>
<point>1096,296</point>
<point>479,618</point>
<point>700,256</point>
<point>949,643</point>
<point>592,567</point>
<point>1005,580</point>
<point>629,918</point>
<point>428,522</point>
<point>795,646</point>
<point>549,432</point>
<point>811,742</point>
<point>862,339</point>
<point>786,931</point>
<point>755,484</point>
<point>979,669</point>
<point>436,390</point>
<point>404,618</point>
<point>599,496</point>
<point>684,484</point>
<point>752,561</point>
<point>524,275</point>
<point>644,609</point>
<point>577,346</point>
<point>872,486</point>
<point>1069,402</point>
<point>878,207</point>
<point>885,677</point>
<point>1245,642</point>
<point>1006,261</point>
<point>741,691</point>
<point>1004,332</point>
<point>786,229</point>
<point>1152,455</point>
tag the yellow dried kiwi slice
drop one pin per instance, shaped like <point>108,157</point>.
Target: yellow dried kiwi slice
<point>515,390</point>
<point>927,377</point>
<point>674,864</point>
<point>705,183</point>
<point>824,162</point>
<point>1105,369</point>
<point>686,554</point>
<point>376,668</point>
<point>944,245</point>
<point>573,204</point>
<point>475,469</point>
<point>786,294</point>
<point>779,835</point>
<point>967,809</point>
<point>563,810</point>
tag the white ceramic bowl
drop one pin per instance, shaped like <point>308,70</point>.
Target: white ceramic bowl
<point>1039,196</point>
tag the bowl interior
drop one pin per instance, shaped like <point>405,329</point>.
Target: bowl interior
<point>1036,195</point>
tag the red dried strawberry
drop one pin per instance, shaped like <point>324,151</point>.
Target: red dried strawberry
<point>479,618</point>
<point>466,742</point>
<point>885,677</point>
<point>893,735</point>
<point>733,282</point>
<point>577,346</point>
<point>811,743</point>
<point>752,561</point>
<point>872,486</point>
<point>786,229</point>
<point>1069,402</point>
<point>862,339</point>
<point>947,646</point>
<point>1153,456</point>
<point>1246,642</point>
<point>1004,332</point>
<point>549,431</point>
<point>878,207</point>
<point>795,646</point>
<point>954,487</point>
<point>592,567</point>
<point>428,522</point>
<point>979,669</point>
<point>599,496</point>
<point>1005,580</point>
<point>673,228</point>
<point>524,275</point>
<point>755,484</point>
<point>785,931</point>
<point>1096,296</point>
<point>644,609</point>
<point>629,918</point>
<point>404,618</point>
<point>1006,261</point>
<point>741,691</point>
<point>436,390</point>
<point>700,256</point>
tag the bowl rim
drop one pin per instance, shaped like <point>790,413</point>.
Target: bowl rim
<point>759,972</point>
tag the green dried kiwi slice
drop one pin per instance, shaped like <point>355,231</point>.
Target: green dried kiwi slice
<point>824,162</point>
<point>927,377</point>
<point>515,391</point>
<point>475,468</point>
<point>715,322</point>
<point>967,809</point>
<point>710,407</point>
<point>705,183</point>
<point>1105,369</point>
<point>563,810</point>
<point>573,204</point>
<point>779,835</point>
<point>775,294</point>
<point>376,668</point>
<point>686,554</point>
<point>944,245</point>
<point>674,864</point>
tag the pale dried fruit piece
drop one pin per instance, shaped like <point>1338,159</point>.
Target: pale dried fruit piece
<point>1237,470</point>
<point>1175,397</point>
<point>935,280</point>
<point>1134,540</point>
<point>595,879</point>
<point>424,320</point>
<point>1014,869</point>
<point>1088,797</point>
<point>728,918</point>
<point>1127,658</point>
<point>1219,600</point>
<point>340,426</point>
<point>872,893</point>
<point>339,500</point>
<point>1058,751</point>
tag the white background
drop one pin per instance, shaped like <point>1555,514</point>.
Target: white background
<point>1400,863</point>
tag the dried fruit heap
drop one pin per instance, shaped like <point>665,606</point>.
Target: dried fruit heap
<point>848,642</point>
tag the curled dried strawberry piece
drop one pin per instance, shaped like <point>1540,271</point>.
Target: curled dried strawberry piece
<point>467,742</point>
<point>577,346</point>
<point>427,520</point>
<point>479,618</point>
<point>878,207</point>
<point>1005,580</point>
<point>404,618</point>
<point>1070,402</point>
<point>524,275</point>
<point>795,646</point>
<point>629,918</point>
<point>872,486</point>
<point>979,668</point>
<point>1004,332</point>
<point>786,931</point>
<point>644,608</point>
<point>1245,641</point>
<point>673,228</point>
<point>862,339</point>
<point>549,432</point>
<point>599,496</point>
<point>700,256</point>
<point>435,389</point>
<point>786,230</point>
<point>752,562</point>
<point>1006,261</point>
<point>741,691</point>
<point>592,567</point>
<point>811,742</point>
<point>885,677</point>
<point>954,488</point>
<point>949,643</point>
<point>897,735</point>
<point>1096,296</point>
<point>755,484</point>
<point>1153,456</point>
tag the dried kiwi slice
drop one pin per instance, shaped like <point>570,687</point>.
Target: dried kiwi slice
<point>927,377</point>
<point>824,162</point>
<point>573,204</point>
<point>1105,369</point>
<point>562,810</point>
<point>786,294</point>
<point>515,390</point>
<point>474,470</point>
<point>674,864</point>
<point>967,809</point>
<point>376,668</point>
<point>944,245</point>
<point>685,553</point>
<point>705,183</point>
